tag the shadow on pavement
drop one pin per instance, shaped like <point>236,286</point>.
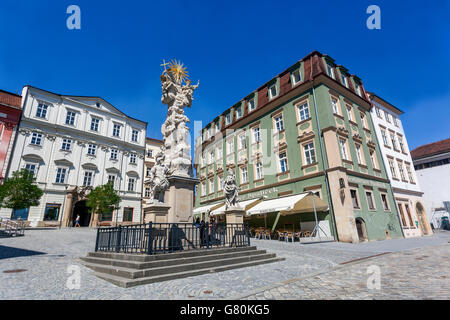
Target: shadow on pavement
<point>10,252</point>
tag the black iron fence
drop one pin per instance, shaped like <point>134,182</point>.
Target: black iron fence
<point>153,238</point>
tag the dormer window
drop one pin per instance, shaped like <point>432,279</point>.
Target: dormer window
<point>273,91</point>
<point>251,104</point>
<point>344,79</point>
<point>98,105</point>
<point>330,71</point>
<point>228,118</point>
<point>358,89</point>
<point>296,77</point>
<point>238,112</point>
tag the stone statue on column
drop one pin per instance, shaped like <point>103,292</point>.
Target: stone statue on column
<point>177,93</point>
<point>157,180</point>
<point>231,190</point>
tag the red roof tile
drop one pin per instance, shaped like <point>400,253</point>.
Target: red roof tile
<point>10,99</point>
<point>431,149</point>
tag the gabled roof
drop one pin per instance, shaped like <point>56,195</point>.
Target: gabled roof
<point>384,103</point>
<point>431,149</point>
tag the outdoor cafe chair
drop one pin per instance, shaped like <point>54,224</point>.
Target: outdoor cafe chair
<point>281,235</point>
<point>289,235</point>
<point>267,234</point>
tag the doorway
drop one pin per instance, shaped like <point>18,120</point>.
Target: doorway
<point>361,228</point>
<point>420,215</point>
<point>83,211</point>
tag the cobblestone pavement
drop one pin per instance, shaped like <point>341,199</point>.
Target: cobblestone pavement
<point>46,255</point>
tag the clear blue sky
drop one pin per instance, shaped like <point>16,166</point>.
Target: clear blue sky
<point>233,47</point>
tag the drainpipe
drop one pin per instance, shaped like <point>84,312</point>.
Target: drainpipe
<point>385,170</point>
<point>322,156</point>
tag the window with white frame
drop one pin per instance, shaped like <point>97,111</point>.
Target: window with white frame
<point>410,174</point>
<point>394,142</point>
<point>303,111</point>
<point>203,188</point>
<point>344,79</point>
<point>385,201</point>
<point>259,171</point>
<point>95,124</point>
<point>211,185</point>
<point>383,135</point>
<point>131,184</point>
<point>251,104</point>
<point>349,113</point>
<point>92,149</point>
<point>228,118</point>
<point>112,179</point>
<point>36,138</point>
<point>377,110</point>
<point>70,117</point>
<point>330,71</point>
<point>370,202</point>
<point>363,120</point>
<point>392,168</point>
<point>401,170</point>
<point>335,105</point>
<point>66,144</point>
<point>230,143</point>
<point>133,158</point>
<point>387,117</point>
<point>114,154</point>
<point>279,123</point>
<point>296,77</point>
<point>283,162</point>
<point>61,175</point>
<point>219,152</point>
<point>149,169</point>
<point>41,111</point>
<point>256,135</point>
<point>373,159</point>
<point>219,182</point>
<point>401,143</point>
<point>242,141</point>
<point>32,168</point>
<point>343,147</point>
<point>134,135</point>
<point>354,196</point>
<point>217,127</point>
<point>395,121</point>
<point>244,175</point>
<point>238,112</point>
<point>359,154</point>
<point>310,154</point>
<point>87,178</point>
<point>273,91</point>
<point>211,156</point>
<point>358,89</point>
<point>147,192</point>
<point>116,130</point>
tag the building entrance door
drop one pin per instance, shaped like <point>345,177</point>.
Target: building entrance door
<point>83,211</point>
<point>361,227</point>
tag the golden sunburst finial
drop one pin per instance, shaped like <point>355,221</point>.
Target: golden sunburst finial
<point>178,71</point>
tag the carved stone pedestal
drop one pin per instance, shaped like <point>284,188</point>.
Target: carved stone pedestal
<point>180,198</point>
<point>235,215</point>
<point>156,213</point>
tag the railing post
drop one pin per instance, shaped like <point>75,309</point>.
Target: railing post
<point>248,234</point>
<point>119,235</point>
<point>96,239</point>
<point>150,241</point>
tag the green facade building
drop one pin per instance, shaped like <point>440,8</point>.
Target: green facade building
<point>308,129</point>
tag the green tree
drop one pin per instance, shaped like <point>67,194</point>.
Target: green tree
<point>103,199</point>
<point>20,191</point>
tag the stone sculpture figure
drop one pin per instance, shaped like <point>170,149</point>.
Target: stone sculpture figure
<point>231,190</point>
<point>177,93</point>
<point>157,180</point>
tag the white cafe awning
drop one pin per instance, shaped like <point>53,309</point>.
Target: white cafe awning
<point>290,205</point>
<point>207,208</point>
<point>243,204</point>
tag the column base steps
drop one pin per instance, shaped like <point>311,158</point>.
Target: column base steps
<point>129,270</point>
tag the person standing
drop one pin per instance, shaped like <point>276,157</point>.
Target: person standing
<point>77,221</point>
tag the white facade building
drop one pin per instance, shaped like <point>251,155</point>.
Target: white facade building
<point>72,144</point>
<point>432,164</point>
<point>399,167</point>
